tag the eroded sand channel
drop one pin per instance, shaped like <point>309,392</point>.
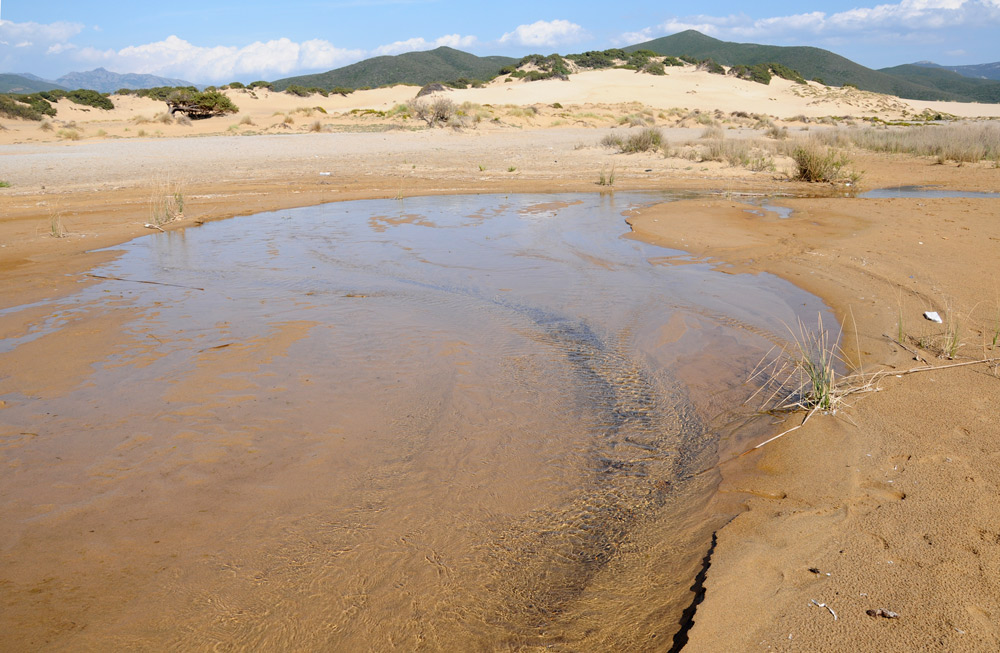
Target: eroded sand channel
<point>449,423</point>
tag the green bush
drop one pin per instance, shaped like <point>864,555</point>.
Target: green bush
<point>759,73</point>
<point>200,105</point>
<point>597,59</point>
<point>81,96</point>
<point>300,91</point>
<point>236,85</point>
<point>25,106</point>
<point>654,68</point>
<point>785,72</point>
<point>260,84</point>
<point>709,65</point>
<point>341,90</point>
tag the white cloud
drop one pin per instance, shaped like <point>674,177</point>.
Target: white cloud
<point>419,43</point>
<point>176,57</point>
<point>905,16</point>
<point>57,32</point>
<point>545,33</point>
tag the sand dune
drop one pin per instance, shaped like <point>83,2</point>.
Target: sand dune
<point>593,98</point>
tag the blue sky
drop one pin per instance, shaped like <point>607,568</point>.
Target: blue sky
<point>217,41</point>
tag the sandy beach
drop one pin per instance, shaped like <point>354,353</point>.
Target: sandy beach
<point>887,505</point>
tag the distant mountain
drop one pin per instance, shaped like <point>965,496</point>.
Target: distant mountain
<point>813,63</point>
<point>977,90</point>
<point>106,81</point>
<point>978,71</point>
<point>36,78</point>
<point>24,83</point>
<point>419,68</point>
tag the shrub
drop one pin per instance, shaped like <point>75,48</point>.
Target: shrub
<point>710,66</point>
<point>433,87</point>
<point>785,72</point>
<point>433,112</point>
<point>777,133</point>
<point>260,84</point>
<point>713,132</point>
<point>236,85</point>
<point>644,140</point>
<point>11,107</point>
<point>613,142</point>
<point>29,107</point>
<point>342,90</point>
<point>759,73</point>
<point>300,91</point>
<point>814,163</point>
<point>200,105</point>
<point>80,96</point>
<point>654,68</point>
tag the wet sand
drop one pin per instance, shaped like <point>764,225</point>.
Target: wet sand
<point>828,497</point>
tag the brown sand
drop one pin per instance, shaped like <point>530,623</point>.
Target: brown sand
<point>894,498</point>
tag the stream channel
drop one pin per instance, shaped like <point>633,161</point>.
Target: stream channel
<point>440,423</point>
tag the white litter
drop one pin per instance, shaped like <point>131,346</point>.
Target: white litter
<point>933,316</point>
<point>824,605</point>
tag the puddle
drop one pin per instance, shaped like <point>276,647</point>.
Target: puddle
<point>441,423</point>
<point>924,192</point>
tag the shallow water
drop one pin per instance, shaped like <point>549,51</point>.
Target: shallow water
<point>439,423</point>
<point>925,192</point>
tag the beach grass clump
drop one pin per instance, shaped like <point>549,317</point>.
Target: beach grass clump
<point>164,118</point>
<point>166,204</point>
<point>316,126</point>
<point>962,143</point>
<point>815,163</point>
<point>68,134</point>
<point>804,375</point>
<point>647,139</point>
<point>4,183</point>
<point>714,131</point>
<point>56,228</point>
<point>607,178</point>
<point>775,132</point>
<point>46,125</point>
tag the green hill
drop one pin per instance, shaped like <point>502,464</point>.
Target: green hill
<point>813,63</point>
<point>978,71</point>
<point>10,83</point>
<point>418,68</point>
<point>978,90</point>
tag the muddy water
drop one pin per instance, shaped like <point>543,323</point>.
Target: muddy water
<point>452,423</point>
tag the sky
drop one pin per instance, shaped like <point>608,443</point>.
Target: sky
<point>218,41</point>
